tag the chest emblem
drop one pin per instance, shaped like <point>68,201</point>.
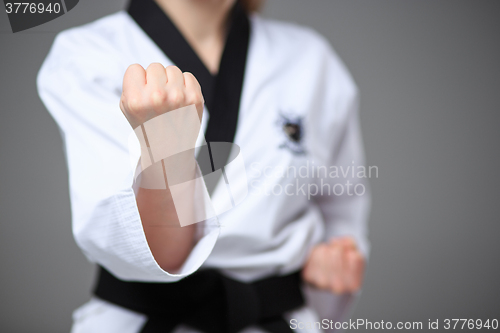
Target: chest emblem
<point>293,131</point>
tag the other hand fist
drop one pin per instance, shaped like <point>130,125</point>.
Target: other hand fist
<point>156,90</point>
<point>337,266</point>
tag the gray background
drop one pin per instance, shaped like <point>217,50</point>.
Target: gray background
<point>429,75</point>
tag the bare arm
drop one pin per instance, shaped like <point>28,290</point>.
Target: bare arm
<point>169,243</point>
<point>147,94</point>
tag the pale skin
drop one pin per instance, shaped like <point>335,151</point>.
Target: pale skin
<point>337,265</point>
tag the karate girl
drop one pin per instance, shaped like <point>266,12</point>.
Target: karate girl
<point>281,243</point>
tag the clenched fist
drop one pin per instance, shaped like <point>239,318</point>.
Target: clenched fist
<point>157,90</point>
<point>337,266</point>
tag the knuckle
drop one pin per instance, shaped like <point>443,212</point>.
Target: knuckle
<point>190,98</point>
<point>176,97</point>
<point>199,98</point>
<point>194,98</point>
<point>173,68</point>
<point>154,67</point>
<point>133,68</point>
<point>134,104</point>
<point>192,79</point>
<point>157,97</point>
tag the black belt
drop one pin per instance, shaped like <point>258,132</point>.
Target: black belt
<point>207,300</point>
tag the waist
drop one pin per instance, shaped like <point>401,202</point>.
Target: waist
<point>206,300</point>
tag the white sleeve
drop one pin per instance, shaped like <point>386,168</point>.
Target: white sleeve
<point>345,212</point>
<point>344,199</point>
<point>346,209</point>
<point>80,84</point>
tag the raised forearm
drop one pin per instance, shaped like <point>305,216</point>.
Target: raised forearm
<point>169,242</point>
<point>148,98</point>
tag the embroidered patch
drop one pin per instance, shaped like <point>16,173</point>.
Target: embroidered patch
<point>293,130</point>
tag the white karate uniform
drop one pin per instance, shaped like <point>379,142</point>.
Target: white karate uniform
<point>291,71</point>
